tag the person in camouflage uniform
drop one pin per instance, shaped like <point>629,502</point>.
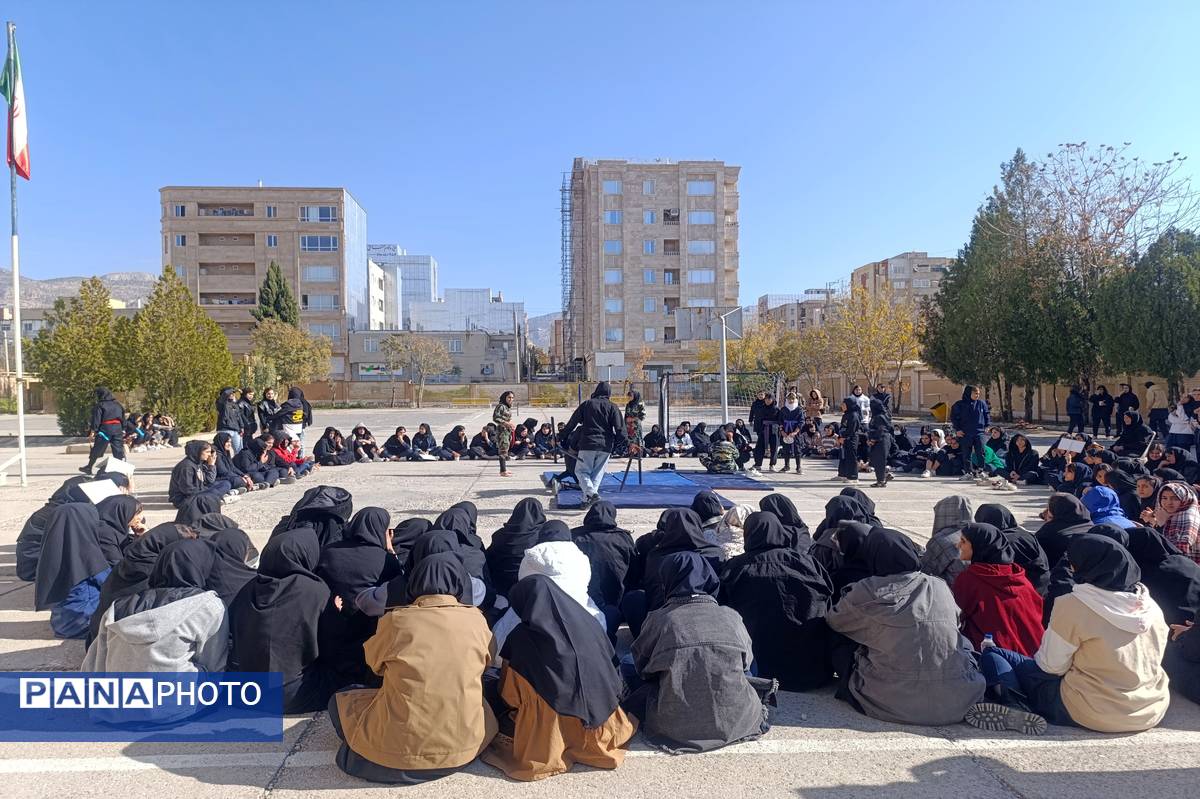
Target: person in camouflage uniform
<point>724,456</point>
<point>502,415</point>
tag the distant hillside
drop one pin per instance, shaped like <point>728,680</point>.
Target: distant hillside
<point>540,328</point>
<point>129,287</point>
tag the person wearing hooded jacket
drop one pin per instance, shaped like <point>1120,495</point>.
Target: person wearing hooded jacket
<point>782,596</point>
<point>879,437</point>
<point>1105,508</point>
<point>601,430</point>
<point>229,417</point>
<point>970,417</point>
<point>294,416</point>
<point>993,593</point>
<point>849,432</point>
<point>196,474</point>
<point>688,669</point>
<point>1134,438</point>
<point>1099,664</point>
<point>610,550</point>
<point>106,428</point>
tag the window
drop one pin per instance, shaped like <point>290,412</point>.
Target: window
<point>614,305</point>
<point>701,188</point>
<point>327,329</point>
<point>671,277</point>
<point>671,246</point>
<point>648,217</point>
<point>648,277</point>
<point>180,239</point>
<point>272,240</point>
<point>702,218</point>
<point>612,217</point>
<point>612,246</point>
<point>647,187</point>
<point>899,284</point>
<point>702,247</point>
<point>612,187</point>
<point>318,302</point>
<point>272,211</point>
<point>701,302</point>
<point>182,271</point>
<point>319,243</point>
<point>702,276</point>
<point>370,344</point>
<point>648,247</point>
<point>649,305</point>
<point>648,334</point>
<point>614,334</point>
<point>612,276</point>
<point>180,210</point>
<point>320,274</point>
<point>670,216</point>
<point>454,345</point>
<point>318,213</point>
<point>921,283</point>
<point>668,334</point>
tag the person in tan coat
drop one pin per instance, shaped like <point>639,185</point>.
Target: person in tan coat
<point>430,718</point>
<point>561,686</point>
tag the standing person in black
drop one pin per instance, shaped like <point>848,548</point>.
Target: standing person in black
<point>851,429</point>
<point>1102,408</point>
<point>249,414</point>
<point>1127,401</point>
<point>880,437</point>
<point>885,399</point>
<point>107,428</point>
<point>756,408</point>
<point>767,430</point>
<point>268,407</point>
<point>601,428</point>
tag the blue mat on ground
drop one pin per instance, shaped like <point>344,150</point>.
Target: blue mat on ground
<point>731,482</point>
<point>664,479</point>
<point>639,496</point>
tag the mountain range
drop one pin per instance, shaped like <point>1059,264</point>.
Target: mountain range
<point>129,287</point>
<point>541,327</point>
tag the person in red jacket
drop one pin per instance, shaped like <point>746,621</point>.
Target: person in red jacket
<point>994,594</point>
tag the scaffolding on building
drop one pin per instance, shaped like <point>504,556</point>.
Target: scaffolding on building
<point>570,310</point>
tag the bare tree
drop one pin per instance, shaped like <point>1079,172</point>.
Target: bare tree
<point>421,355</point>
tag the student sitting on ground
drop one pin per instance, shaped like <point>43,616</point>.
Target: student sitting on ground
<point>197,474</point>
<point>545,445</point>
<point>1105,508</point>
<point>559,687</point>
<point>993,593</point>
<point>426,447</point>
<point>227,469</point>
<point>483,446</point>
<point>655,443</point>
<point>255,461</point>
<point>680,442</point>
<point>429,718</point>
<point>1178,517</point>
<point>1099,663</point>
<point>287,453</point>
<point>723,457</point>
<point>174,625</point>
<point>331,449</point>
<point>508,545</point>
<point>398,447</point>
<point>902,658</point>
<point>688,670</point>
<point>364,446</point>
<point>78,552</point>
<point>609,550</point>
<point>941,557</point>
<point>455,442</point>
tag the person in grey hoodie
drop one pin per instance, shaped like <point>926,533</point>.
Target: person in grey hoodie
<point>950,515</point>
<point>172,626</point>
<point>905,660</point>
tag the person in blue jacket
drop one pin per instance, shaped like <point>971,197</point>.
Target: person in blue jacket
<point>970,418</point>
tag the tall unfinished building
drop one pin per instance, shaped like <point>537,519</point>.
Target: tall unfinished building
<point>639,241</point>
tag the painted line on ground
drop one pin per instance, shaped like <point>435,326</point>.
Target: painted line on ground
<point>768,747</point>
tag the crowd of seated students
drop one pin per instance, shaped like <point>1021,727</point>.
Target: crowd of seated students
<point>1082,622</point>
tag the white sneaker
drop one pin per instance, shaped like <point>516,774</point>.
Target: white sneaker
<point>1007,486</point>
<point>927,474</point>
<point>754,471</point>
<point>984,481</point>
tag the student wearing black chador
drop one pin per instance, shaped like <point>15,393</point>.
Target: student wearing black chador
<point>767,431</point>
<point>455,442</point>
<point>849,432</point>
<point>610,550</point>
<point>519,533</point>
<point>106,427</point>
<point>323,508</point>
<point>1102,409</point>
<point>1127,401</point>
<point>879,435</point>
<point>785,510</point>
<point>331,449</point>
<point>782,596</point>
<point>274,621</point>
<point>1134,439</point>
<point>399,446</point>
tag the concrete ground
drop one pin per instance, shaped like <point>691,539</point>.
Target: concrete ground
<point>818,748</point>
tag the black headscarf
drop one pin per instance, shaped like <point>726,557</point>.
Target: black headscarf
<point>682,533</point>
<point>686,574</point>
<point>196,506</point>
<point>231,549</point>
<point>600,518</point>
<point>509,543</point>
<point>182,571</point>
<point>211,523</point>
<point>460,519</point>
<point>988,544</point>
<point>324,508</point>
<point>878,411</point>
<point>707,505</point>
<point>1110,530</point>
<point>406,533</point>
<point>868,504</point>
<point>1069,514</point>
<point>116,513</point>
<point>1148,546</point>
<point>554,530</point>
<point>71,553</point>
<point>132,574</point>
<point>996,515</point>
<point>360,560</point>
<point>437,542</point>
<point>274,617</point>
<point>764,530</point>
<point>1103,563</point>
<point>887,552</point>
<point>841,509</point>
<point>785,510</point>
<point>561,651</point>
<point>442,573</point>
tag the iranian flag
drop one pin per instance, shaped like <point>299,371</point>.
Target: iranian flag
<point>13,90</point>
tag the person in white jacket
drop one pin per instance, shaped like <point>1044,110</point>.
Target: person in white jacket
<point>1182,432</point>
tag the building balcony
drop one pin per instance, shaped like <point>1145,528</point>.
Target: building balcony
<point>226,210</point>
<point>228,298</point>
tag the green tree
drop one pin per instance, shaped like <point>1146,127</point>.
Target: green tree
<point>1152,311</point>
<point>420,355</point>
<point>275,299</point>
<point>294,355</point>
<point>182,355</point>
<point>73,354</point>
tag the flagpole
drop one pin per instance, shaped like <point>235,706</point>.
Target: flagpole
<point>16,275</point>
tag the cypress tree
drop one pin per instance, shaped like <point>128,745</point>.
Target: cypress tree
<point>275,299</point>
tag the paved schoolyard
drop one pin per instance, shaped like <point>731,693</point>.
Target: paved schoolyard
<point>817,749</point>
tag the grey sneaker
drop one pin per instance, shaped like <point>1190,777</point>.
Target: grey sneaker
<point>994,717</point>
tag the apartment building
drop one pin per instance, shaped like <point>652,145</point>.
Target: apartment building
<point>910,276</point>
<point>221,240</point>
<point>477,356</point>
<point>415,278</point>
<point>796,311</point>
<point>641,240</point>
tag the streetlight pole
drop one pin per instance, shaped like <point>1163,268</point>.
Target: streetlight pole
<point>725,369</point>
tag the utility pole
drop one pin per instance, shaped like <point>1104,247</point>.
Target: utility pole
<point>725,369</point>
<point>517,343</point>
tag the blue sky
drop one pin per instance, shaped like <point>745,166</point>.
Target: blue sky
<point>861,132</point>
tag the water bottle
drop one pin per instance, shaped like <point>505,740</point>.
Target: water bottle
<point>988,642</point>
